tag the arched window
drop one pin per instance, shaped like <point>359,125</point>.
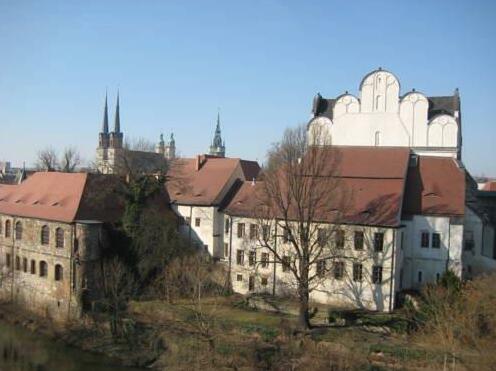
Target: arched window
<point>43,269</point>
<point>59,238</point>
<point>45,235</point>
<point>33,267</point>
<point>59,272</point>
<point>377,139</point>
<point>7,228</point>
<point>18,231</point>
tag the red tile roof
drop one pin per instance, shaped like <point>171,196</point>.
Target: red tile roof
<point>435,187</point>
<point>64,197</point>
<point>205,180</point>
<point>373,179</point>
<point>489,186</point>
<point>381,185</point>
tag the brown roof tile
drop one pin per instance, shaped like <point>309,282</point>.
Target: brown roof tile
<point>435,187</point>
<point>372,178</point>
<point>205,180</point>
<point>64,197</point>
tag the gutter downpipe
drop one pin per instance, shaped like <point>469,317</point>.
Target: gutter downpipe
<point>12,259</point>
<point>190,224</point>
<point>71,267</point>
<point>275,265</point>
<point>449,245</point>
<point>229,278</point>
<point>391,284</point>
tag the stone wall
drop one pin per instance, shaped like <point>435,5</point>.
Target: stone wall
<point>46,278</point>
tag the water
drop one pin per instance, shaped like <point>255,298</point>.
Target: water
<point>22,350</point>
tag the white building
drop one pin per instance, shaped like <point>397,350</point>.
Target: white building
<point>198,189</point>
<point>380,116</point>
<point>438,225</point>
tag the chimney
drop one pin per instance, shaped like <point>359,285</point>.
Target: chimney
<point>200,160</point>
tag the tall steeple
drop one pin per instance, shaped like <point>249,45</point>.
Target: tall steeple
<point>103,138</point>
<point>105,117</point>
<point>116,136</point>
<point>218,147</point>
<point>117,124</point>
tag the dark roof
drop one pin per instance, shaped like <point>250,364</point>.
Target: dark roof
<point>145,162</point>
<point>443,105</point>
<point>437,105</point>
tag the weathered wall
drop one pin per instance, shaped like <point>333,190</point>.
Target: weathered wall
<point>24,285</point>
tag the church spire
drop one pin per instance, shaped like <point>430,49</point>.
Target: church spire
<point>117,124</point>
<point>105,117</point>
<point>218,147</point>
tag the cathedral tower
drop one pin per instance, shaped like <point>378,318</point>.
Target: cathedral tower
<point>218,148</point>
<point>104,134</point>
<point>116,137</point>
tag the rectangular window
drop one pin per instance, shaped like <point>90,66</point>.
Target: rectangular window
<point>251,283</point>
<point>197,222</point>
<point>321,237</point>
<point>24,265</point>
<point>321,268</point>
<point>285,235</point>
<point>239,277</point>
<point>252,258</point>
<point>339,239</point>
<point>264,281</point>
<point>468,240</point>
<point>424,240</point>
<point>436,240</point>
<point>357,272</point>
<point>33,267</point>
<point>253,232</point>
<point>358,240</point>
<point>338,270</point>
<point>240,257</point>
<point>226,226</point>
<point>265,260</point>
<point>188,220</point>
<point>377,274</point>
<point>266,232</point>
<point>17,263</point>
<point>378,241</point>
<point>8,260</point>
<point>420,276</point>
<point>226,249</point>
<point>241,230</point>
<point>286,263</point>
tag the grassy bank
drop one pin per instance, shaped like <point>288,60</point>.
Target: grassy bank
<point>225,333</point>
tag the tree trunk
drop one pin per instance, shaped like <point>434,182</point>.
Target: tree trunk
<point>304,295</point>
<point>304,317</point>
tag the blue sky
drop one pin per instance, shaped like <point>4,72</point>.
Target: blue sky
<point>261,62</point>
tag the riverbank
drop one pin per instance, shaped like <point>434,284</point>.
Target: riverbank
<point>228,333</point>
<point>90,335</point>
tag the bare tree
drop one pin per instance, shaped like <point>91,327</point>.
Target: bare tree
<point>139,144</point>
<point>299,199</point>
<point>70,160</point>
<point>47,159</point>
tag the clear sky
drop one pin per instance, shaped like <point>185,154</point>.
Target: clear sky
<point>261,62</point>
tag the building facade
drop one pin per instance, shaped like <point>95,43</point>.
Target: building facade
<point>51,239</point>
<point>380,116</point>
<point>198,189</point>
